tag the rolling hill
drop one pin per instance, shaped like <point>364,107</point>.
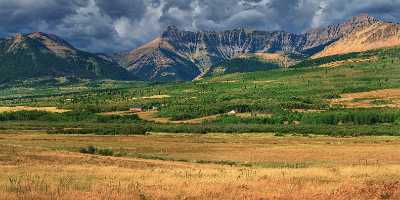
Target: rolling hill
<point>37,55</point>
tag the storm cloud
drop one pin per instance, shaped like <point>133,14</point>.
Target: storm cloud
<point>120,25</point>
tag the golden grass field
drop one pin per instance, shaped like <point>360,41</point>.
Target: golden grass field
<point>28,108</point>
<point>390,98</point>
<point>178,166</point>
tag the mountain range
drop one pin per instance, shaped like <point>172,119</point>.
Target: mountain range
<point>184,55</point>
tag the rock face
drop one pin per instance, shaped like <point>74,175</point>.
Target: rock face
<point>378,35</point>
<point>319,38</point>
<point>183,55</point>
<point>41,55</point>
<point>160,61</point>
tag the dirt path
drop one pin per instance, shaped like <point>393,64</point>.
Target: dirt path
<point>152,117</point>
<point>120,113</point>
<point>151,97</point>
<point>197,120</point>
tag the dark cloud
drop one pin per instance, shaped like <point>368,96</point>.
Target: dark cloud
<point>134,9</point>
<point>106,26</point>
<point>21,15</point>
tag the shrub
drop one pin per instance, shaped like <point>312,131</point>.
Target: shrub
<point>352,89</point>
<point>103,152</point>
<point>88,150</point>
<point>279,135</point>
<point>106,152</point>
<point>127,130</point>
<point>354,116</point>
<point>124,130</point>
<point>73,116</point>
<point>331,96</point>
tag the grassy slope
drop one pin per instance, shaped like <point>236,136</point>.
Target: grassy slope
<point>273,92</point>
<point>250,64</point>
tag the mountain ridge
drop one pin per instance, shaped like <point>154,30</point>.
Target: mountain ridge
<point>204,49</point>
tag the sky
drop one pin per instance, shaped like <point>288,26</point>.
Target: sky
<point>120,25</point>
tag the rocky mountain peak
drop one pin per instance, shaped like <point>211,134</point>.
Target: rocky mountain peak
<point>367,33</point>
<point>319,37</point>
<point>49,37</point>
<point>18,37</point>
<point>16,42</point>
<point>170,31</point>
<point>363,18</point>
<point>360,21</point>
<point>53,43</point>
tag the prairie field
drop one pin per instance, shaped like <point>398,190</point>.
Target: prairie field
<point>37,165</point>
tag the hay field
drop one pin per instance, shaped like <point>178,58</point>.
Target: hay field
<point>373,99</point>
<point>166,166</point>
<point>28,108</point>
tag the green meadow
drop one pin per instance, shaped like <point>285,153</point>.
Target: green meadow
<point>306,98</point>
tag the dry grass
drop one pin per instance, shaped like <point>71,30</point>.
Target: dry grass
<point>39,166</point>
<point>28,108</point>
<point>250,115</point>
<point>349,61</point>
<point>151,97</point>
<point>366,99</point>
<point>197,120</point>
<point>151,116</point>
<point>119,113</point>
<point>379,35</point>
<point>265,82</point>
<point>260,149</point>
<point>307,110</point>
<point>282,59</point>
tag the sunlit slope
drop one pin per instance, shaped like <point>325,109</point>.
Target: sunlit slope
<point>378,35</point>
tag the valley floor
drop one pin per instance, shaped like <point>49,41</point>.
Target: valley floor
<point>36,165</point>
